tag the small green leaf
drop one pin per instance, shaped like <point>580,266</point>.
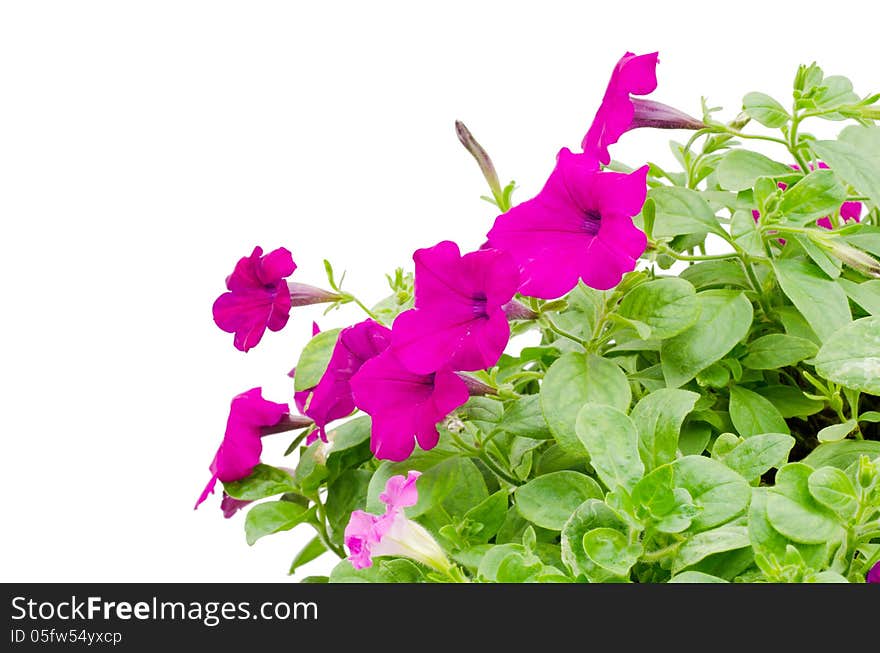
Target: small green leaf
<point>836,432</point>
<point>490,513</point>
<point>611,439</point>
<point>851,356</point>
<point>765,110</point>
<point>816,195</point>
<point>695,577</point>
<point>309,552</point>
<point>609,549</point>
<point>841,454</point>
<point>832,488</point>
<point>574,380</point>
<point>725,319</point>
<point>395,570</point>
<point>549,500</point>
<point>791,401</point>
<point>591,514</point>
<point>855,158</point>
<point>777,350</point>
<point>273,517</point>
<point>314,359</point>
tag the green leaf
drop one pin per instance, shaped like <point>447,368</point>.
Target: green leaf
<point>658,417</point>
<point>855,158</point>
<point>816,195</point>
<point>865,294</point>
<point>721,493</point>
<point>574,380</point>
<point>725,319</point>
<point>819,299</point>
<point>654,492</point>
<point>490,513</point>
<point>667,306</point>
<point>264,481</point>
<point>832,488</point>
<point>767,541</point>
<point>314,359</point>
<point>694,438</point>
<point>611,439</point>
<point>682,211</point>
<point>273,517</point>
<point>591,514</point>
<point>756,455</point>
<point>836,91</point>
<point>702,545</point>
<point>739,169</point>
<point>309,552</point>
<point>777,350</point>
<point>695,577</point>
<point>548,501</point>
<point>345,495</point>
<point>851,356</point>
<point>395,570</point>
<point>608,548</point>
<point>841,454</point>
<point>715,274</point>
<point>351,445</point>
<point>836,432</point>
<point>765,110</point>
<point>525,418</point>
<point>793,511</point>
<point>791,401</point>
<point>752,414</point>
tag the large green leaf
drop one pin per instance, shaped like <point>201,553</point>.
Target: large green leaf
<point>819,299</point>
<point>610,549</point>
<point>816,195</point>
<point>717,490</point>
<point>702,545</point>
<point>680,211</point>
<point>273,517</point>
<point>548,501</point>
<point>725,319</point>
<point>756,455</point>
<point>855,158</point>
<point>793,511</point>
<point>658,416</point>
<point>667,306</point>
<point>265,481</point>
<point>611,439</point>
<point>841,454</point>
<point>574,380</point>
<point>851,356</point>
<point>314,359</point>
<point>591,514</point>
<point>752,414</point>
<point>777,350</point>
<point>765,110</point>
<point>739,169</point>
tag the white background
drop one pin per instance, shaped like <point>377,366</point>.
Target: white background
<point>146,146</point>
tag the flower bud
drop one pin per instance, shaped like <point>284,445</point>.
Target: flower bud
<point>515,310</point>
<point>856,259</point>
<point>486,167</point>
<point>302,294</point>
<point>476,388</point>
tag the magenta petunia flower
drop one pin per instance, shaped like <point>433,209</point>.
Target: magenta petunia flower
<point>230,505</point>
<point>459,318</point>
<point>331,399</point>
<point>633,75</point>
<point>258,297</point>
<point>578,227</point>
<point>873,574</point>
<point>250,417</point>
<point>404,406</point>
<point>369,536</point>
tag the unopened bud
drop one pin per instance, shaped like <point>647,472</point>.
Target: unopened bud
<point>476,388</point>
<point>486,167</point>
<point>515,310</point>
<point>661,116</point>
<point>288,423</point>
<point>856,258</point>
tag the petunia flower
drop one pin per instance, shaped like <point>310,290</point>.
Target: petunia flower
<point>331,398</point>
<point>369,536</point>
<point>873,575</point>
<point>230,505</point>
<point>250,418</point>
<point>405,407</point>
<point>578,227</point>
<point>260,298</point>
<point>459,319</point>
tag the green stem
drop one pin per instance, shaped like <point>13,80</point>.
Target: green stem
<point>321,528</point>
<point>792,143</point>
<point>352,298</point>
<point>700,257</point>
<point>660,554</point>
<point>493,466</point>
<point>548,322</point>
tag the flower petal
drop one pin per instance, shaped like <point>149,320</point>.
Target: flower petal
<point>275,266</point>
<point>400,491</point>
